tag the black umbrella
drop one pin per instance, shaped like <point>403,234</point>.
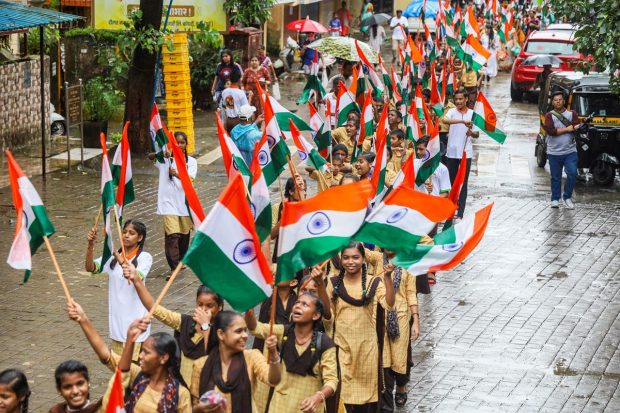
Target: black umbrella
<point>542,60</point>
<point>376,19</point>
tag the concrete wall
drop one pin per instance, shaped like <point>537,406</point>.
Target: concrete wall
<point>20,103</point>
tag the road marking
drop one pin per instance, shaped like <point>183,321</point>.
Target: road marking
<point>210,157</point>
<point>520,166</point>
<point>487,163</point>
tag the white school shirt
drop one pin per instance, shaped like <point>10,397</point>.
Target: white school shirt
<point>238,96</point>
<point>124,305</point>
<point>456,135</point>
<point>397,32</point>
<point>170,194</point>
<point>441,182</point>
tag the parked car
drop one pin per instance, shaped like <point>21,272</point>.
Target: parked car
<point>569,27</point>
<point>557,43</point>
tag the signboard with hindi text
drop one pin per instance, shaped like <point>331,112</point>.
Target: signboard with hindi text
<point>184,15</point>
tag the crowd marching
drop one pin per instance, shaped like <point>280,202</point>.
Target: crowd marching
<point>391,152</point>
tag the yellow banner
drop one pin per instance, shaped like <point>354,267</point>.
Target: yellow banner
<point>184,15</point>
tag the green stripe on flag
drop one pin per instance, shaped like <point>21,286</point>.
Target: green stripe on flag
<point>387,236</point>
<point>497,135</point>
<point>215,270</point>
<point>306,253</point>
<point>427,169</point>
<point>263,223</point>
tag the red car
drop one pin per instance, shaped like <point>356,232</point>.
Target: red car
<point>552,42</point>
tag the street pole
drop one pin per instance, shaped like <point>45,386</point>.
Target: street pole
<point>42,90</point>
<point>158,59</point>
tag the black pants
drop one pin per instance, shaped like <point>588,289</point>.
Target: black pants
<point>443,145</point>
<point>391,380</point>
<point>176,246</point>
<point>453,168</point>
<point>361,408</point>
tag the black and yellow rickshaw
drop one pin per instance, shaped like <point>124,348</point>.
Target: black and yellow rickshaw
<point>598,142</point>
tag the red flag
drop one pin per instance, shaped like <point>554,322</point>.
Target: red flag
<point>455,191</point>
<point>116,402</point>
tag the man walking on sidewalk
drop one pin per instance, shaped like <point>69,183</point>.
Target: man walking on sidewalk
<point>560,125</point>
<point>460,135</point>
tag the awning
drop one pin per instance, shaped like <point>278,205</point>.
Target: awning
<point>296,2</point>
<point>16,16</point>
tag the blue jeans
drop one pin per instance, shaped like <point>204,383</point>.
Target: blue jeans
<point>556,163</point>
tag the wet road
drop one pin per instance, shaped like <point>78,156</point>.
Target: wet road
<point>529,322</point>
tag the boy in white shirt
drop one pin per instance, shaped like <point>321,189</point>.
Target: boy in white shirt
<point>399,25</point>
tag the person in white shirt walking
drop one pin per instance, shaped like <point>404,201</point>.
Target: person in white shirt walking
<point>460,138</point>
<point>171,204</point>
<point>400,27</point>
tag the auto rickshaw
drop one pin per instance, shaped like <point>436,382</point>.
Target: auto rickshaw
<point>598,141</point>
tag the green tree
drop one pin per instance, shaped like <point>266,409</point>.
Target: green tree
<point>249,12</point>
<point>598,34</point>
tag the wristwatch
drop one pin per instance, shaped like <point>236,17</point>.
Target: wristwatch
<point>205,326</point>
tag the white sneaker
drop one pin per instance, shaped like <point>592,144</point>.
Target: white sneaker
<point>569,203</point>
<point>555,204</point>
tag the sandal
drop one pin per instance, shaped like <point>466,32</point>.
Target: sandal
<point>400,399</point>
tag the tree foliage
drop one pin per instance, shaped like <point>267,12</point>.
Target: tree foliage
<point>598,34</point>
<point>249,12</point>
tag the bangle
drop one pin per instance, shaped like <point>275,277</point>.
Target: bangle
<point>322,395</point>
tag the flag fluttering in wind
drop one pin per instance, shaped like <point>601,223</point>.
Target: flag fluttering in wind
<point>313,84</point>
<point>402,218</point>
<point>233,160</point>
<point>373,76</point>
<point>455,191</point>
<point>345,103</point>
<point>159,140</point>
<point>306,152</point>
<point>484,118</point>
<point>122,173</point>
<point>432,156</point>
<point>116,402</point>
<point>32,222</point>
<point>475,55</point>
<point>413,131</point>
<point>283,115</point>
<point>107,202</point>
<point>225,254</point>
<point>191,198</point>
<point>278,150</point>
<point>436,100</point>
<point>451,246</point>
<point>381,153</point>
<point>366,126</point>
<point>260,202</point>
<point>322,135</point>
<point>317,228</point>
<point>387,80</point>
<point>469,26</point>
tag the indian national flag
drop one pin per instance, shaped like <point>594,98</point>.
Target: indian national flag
<point>306,152</point>
<point>451,37</point>
<point>313,84</point>
<point>107,202</point>
<point>451,246</point>
<point>381,145</point>
<point>116,401</point>
<point>260,202</point>
<point>225,254</point>
<point>366,126</point>
<point>32,221</point>
<point>121,171</point>
<point>402,218</point>
<point>283,115</point>
<point>419,101</point>
<point>191,198</point>
<point>396,88</point>
<point>469,26</point>
<point>387,80</point>
<point>413,131</point>
<point>436,100</point>
<point>358,85</point>
<point>431,158</point>
<point>317,228</point>
<point>475,53</point>
<point>278,150</point>
<point>373,77</point>
<point>233,160</point>
<point>405,177</point>
<point>321,135</point>
<point>345,103</point>
<point>484,118</point>
<point>158,135</point>
<point>503,32</point>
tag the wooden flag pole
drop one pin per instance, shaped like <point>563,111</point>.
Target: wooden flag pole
<point>294,174</point>
<point>120,233</point>
<point>98,215</point>
<point>163,292</point>
<point>57,267</point>
<point>322,266</point>
<point>272,312</point>
<point>281,192</point>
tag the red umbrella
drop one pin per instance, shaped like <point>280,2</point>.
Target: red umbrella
<point>306,25</point>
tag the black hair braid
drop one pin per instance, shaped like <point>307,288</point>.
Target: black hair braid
<point>364,274</point>
<point>328,267</point>
<point>337,285</point>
